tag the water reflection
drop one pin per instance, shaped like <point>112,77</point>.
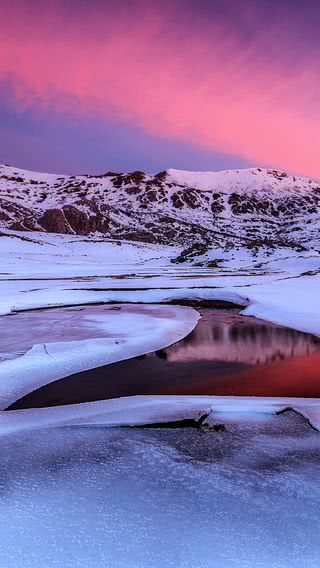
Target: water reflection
<point>227,354</point>
<point>225,335</point>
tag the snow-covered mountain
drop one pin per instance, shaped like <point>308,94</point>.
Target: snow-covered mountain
<point>252,208</point>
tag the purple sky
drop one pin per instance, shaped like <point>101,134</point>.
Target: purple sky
<point>88,86</point>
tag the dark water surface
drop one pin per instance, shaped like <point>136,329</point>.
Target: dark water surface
<point>227,354</point>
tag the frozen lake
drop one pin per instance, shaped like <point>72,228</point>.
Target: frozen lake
<point>97,497</point>
<point>227,354</point>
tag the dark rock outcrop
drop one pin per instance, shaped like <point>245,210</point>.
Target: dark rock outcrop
<point>78,220</point>
<point>54,221</point>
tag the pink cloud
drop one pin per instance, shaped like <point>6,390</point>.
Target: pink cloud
<point>198,84</point>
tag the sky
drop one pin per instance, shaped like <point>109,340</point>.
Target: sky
<point>94,85</point>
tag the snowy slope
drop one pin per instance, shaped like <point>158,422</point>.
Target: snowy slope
<point>252,209</point>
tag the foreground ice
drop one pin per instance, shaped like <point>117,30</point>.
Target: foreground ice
<point>150,409</point>
<point>248,497</point>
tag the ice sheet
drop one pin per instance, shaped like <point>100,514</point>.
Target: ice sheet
<point>80,497</point>
<point>136,410</point>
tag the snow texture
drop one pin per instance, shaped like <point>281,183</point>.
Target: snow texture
<point>80,497</point>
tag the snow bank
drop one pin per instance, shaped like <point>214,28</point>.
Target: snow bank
<point>136,410</point>
<point>155,328</point>
<point>293,303</point>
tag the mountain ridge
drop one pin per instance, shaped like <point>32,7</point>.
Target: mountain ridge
<point>253,208</point>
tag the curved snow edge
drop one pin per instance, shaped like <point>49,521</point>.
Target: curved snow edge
<point>45,363</point>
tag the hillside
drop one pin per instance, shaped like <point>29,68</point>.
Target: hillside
<point>253,208</point>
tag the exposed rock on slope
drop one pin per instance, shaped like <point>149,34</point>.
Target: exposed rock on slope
<point>251,208</point>
<point>54,221</point>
